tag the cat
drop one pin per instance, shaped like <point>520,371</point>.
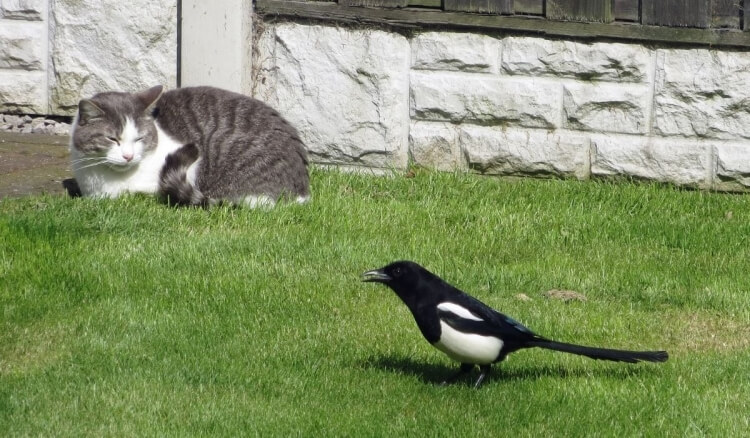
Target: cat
<point>189,146</point>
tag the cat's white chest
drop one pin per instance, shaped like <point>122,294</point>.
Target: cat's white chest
<point>105,182</point>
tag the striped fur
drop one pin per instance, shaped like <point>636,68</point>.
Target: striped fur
<point>191,146</point>
<point>176,187</point>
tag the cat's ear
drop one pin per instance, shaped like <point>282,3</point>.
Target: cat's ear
<point>88,111</point>
<point>149,97</point>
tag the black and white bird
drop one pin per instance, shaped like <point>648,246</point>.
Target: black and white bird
<point>471,332</point>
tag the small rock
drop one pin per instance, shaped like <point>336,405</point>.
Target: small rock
<point>61,129</point>
<point>34,124</point>
<point>523,297</point>
<point>564,295</point>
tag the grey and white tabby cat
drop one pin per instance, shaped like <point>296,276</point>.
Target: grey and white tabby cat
<point>190,146</point>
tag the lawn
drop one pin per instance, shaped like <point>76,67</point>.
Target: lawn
<point>129,318</point>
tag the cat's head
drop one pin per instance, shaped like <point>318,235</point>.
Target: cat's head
<point>115,129</point>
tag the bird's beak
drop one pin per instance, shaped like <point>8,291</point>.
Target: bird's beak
<point>375,275</point>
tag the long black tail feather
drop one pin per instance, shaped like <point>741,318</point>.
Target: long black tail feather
<point>603,353</point>
<point>174,187</point>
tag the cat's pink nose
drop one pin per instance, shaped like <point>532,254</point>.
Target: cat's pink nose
<point>127,157</point>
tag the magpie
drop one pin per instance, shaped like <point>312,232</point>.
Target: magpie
<point>471,332</point>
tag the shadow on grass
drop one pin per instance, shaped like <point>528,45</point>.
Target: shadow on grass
<point>436,373</point>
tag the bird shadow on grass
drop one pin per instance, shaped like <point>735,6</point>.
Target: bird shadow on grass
<point>436,374</point>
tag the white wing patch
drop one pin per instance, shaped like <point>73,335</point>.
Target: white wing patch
<point>467,347</point>
<point>461,311</point>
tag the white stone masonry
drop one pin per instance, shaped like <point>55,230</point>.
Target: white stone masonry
<point>23,56</point>
<point>369,98</point>
<point>512,105</point>
<point>53,53</point>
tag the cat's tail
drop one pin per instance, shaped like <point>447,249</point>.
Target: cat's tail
<point>174,187</point>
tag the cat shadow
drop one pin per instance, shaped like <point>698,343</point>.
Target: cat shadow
<point>436,374</point>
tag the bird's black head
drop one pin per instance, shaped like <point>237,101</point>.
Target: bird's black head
<point>397,272</point>
<point>402,276</point>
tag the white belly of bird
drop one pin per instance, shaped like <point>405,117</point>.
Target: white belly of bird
<point>467,347</point>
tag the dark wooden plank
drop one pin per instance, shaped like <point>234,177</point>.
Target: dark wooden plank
<point>528,7</point>
<point>485,6</point>
<point>677,13</point>
<point>725,14</point>
<point>376,3</point>
<point>580,10</point>
<point>627,10</point>
<point>426,19</point>
<point>437,4</point>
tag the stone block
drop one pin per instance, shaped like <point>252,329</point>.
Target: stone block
<point>27,10</point>
<point>702,93</point>
<point>509,151</point>
<point>732,166</point>
<point>435,145</point>
<point>606,107</point>
<point>264,83</point>
<point>104,45</point>
<point>466,52</point>
<point>346,91</point>
<point>597,61</point>
<point>485,99</point>
<point>23,92</point>
<point>678,161</point>
<point>22,46</point>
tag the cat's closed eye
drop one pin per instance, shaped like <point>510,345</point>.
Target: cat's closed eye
<point>113,140</point>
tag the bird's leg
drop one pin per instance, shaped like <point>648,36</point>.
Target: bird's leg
<point>465,368</point>
<point>484,371</point>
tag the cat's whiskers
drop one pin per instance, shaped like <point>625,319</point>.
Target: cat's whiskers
<point>87,165</point>
<point>87,159</point>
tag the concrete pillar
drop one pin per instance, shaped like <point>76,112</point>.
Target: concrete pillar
<point>215,44</point>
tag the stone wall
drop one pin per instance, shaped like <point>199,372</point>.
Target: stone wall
<point>23,56</point>
<point>53,52</point>
<point>492,104</point>
<point>511,105</point>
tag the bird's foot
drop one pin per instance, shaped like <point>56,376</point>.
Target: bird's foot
<point>484,371</point>
<point>465,368</point>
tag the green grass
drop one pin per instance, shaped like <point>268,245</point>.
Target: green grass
<point>129,318</point>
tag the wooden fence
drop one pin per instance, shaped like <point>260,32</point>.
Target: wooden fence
<point>701,22</point>
<point>676,13</point>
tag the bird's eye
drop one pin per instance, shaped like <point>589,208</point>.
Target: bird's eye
<point>397,272</point>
